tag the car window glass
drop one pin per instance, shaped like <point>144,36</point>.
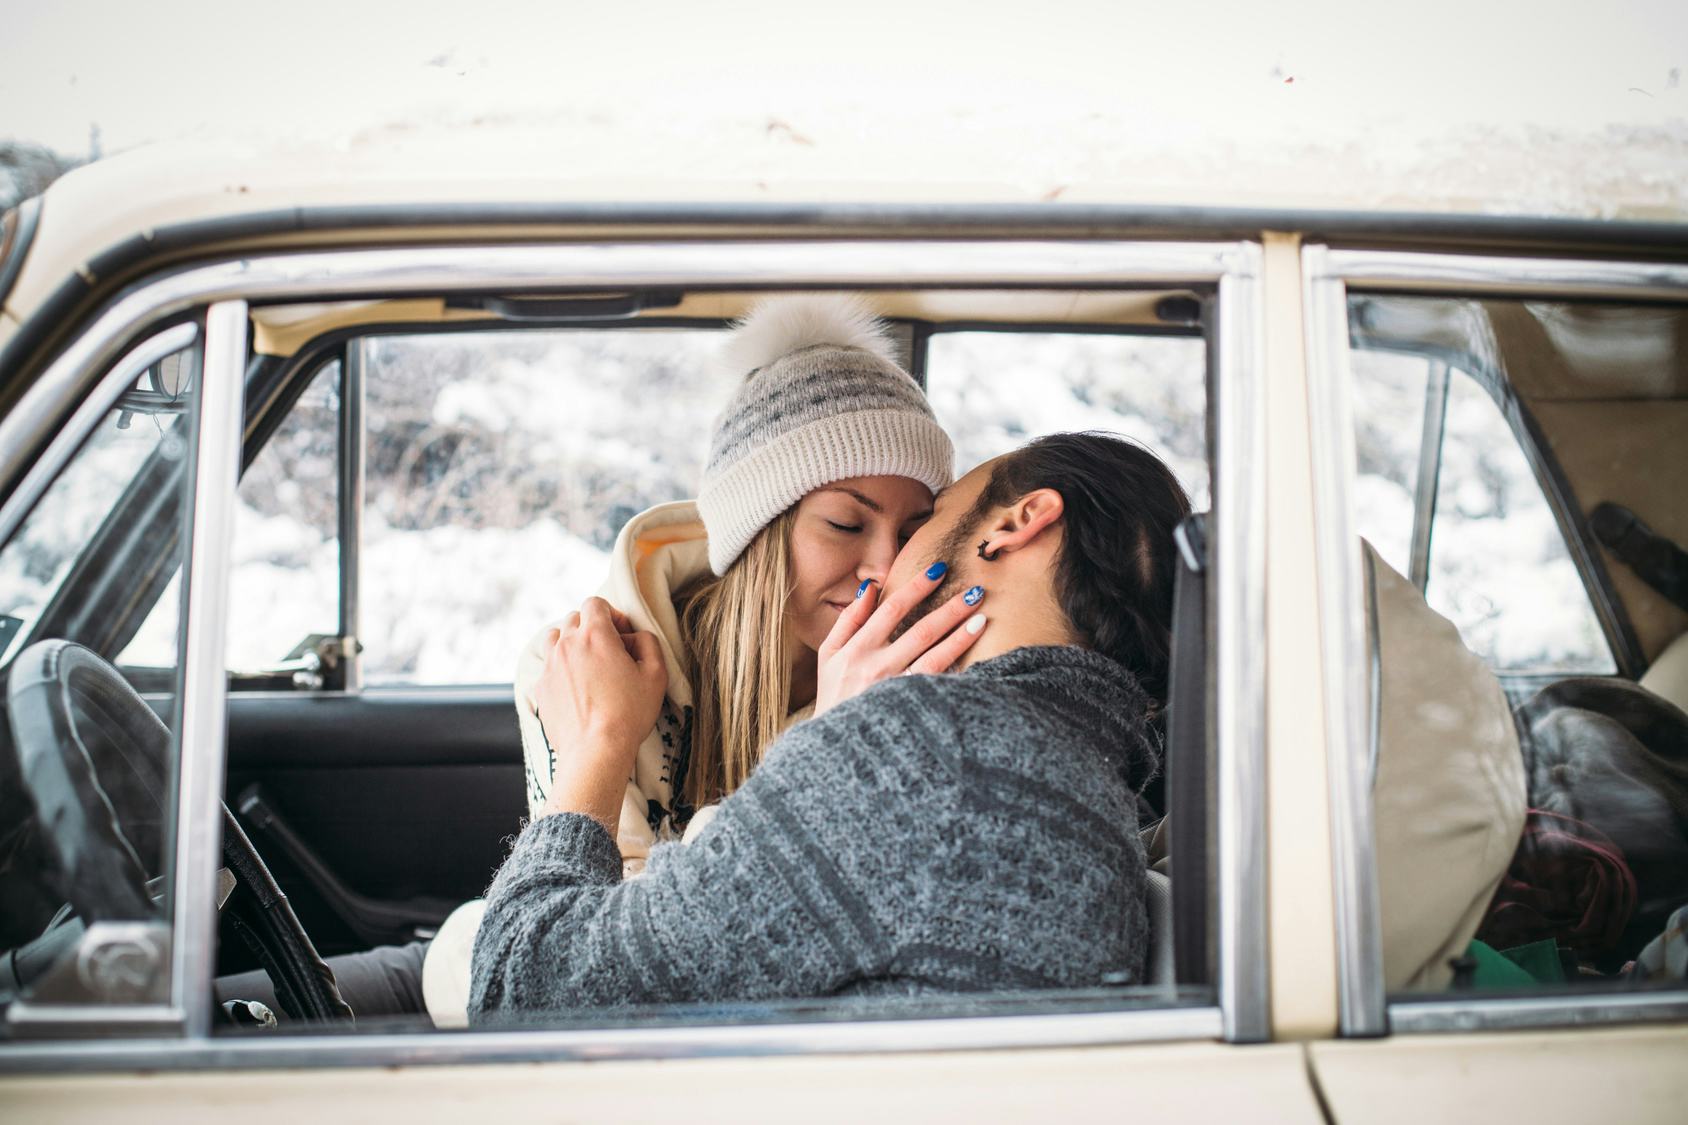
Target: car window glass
<point>285,549</point>
<point>1498,566</point>
<point>499,468</point>
<point>997,390</point>
<point>104,539</point>
<point>1522,836</point>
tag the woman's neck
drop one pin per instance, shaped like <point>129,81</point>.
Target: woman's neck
<point>802,680</point>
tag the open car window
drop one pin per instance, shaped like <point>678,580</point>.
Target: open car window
<point>500,464</point>
<point>996,390</point>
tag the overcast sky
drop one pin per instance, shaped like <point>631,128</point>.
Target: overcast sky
<point>978,77</point>
<point>188,68</point>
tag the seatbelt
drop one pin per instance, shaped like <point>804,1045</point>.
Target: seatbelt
<point>1189,786</point>
<point>1654,559</point>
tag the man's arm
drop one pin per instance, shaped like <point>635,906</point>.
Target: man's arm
<point>790,891</point>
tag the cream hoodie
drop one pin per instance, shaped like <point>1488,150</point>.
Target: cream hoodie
<point>658,552</point>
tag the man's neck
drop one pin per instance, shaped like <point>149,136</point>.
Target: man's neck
<point>1017,622</point>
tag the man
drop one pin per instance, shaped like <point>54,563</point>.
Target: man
<point>971,831</point>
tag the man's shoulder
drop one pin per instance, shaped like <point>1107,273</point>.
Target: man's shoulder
<point>933,705</point>
<point>909,725</point>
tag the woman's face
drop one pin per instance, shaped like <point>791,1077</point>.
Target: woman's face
<point>845,533</point>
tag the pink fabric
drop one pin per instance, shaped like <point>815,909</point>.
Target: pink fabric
<point>1569,882</point>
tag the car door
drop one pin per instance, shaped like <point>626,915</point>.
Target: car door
<point>1156,1047</point>
<point>1571,372</point>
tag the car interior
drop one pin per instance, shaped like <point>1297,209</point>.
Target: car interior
<point>379,803</point>
<point>1594,395</point>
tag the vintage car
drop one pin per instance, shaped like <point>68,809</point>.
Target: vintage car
<point>293,457</point>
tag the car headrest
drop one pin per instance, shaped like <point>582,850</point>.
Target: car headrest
<point>1667,676</point>
<point>1448,789</point>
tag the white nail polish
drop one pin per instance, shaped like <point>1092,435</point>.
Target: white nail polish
<point>975,623</point>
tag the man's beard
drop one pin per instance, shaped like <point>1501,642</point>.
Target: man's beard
<point>950,550</point>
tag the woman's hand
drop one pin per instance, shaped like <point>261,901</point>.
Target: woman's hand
<point>597,697</point>
<point>859,652</point>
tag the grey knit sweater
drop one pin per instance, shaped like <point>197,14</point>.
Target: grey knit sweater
<point>950,833</point>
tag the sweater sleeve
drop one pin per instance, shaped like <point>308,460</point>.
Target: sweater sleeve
<point>794,889</point>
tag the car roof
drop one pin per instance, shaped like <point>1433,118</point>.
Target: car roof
<point>99,224</point>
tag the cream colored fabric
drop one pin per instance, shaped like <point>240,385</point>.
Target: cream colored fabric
<point>445,968</point>
<point>658,553</point>
<point>1448,797</point>
<point>1628,453</point>
<point>1667,678</point>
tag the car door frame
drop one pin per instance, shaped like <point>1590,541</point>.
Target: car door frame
<point>1331,272</point>
<point>1230,270</point>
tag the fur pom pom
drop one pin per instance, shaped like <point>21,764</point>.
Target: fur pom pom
<point>782,325</point>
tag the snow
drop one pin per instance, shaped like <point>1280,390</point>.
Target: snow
<point>1499,569</point>
<point>501,466</point>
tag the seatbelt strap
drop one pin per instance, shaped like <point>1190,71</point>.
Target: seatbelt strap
<point>1654,559</point>
<point>1189,783</point>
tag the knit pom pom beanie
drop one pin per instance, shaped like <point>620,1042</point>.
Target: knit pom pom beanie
<point>822,400</point>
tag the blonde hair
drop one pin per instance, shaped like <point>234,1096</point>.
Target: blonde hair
<point>740,651</point>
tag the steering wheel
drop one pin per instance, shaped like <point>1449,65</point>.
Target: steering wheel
<point>82,736</point>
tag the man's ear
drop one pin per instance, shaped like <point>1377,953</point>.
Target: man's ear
<point>1020,524</point>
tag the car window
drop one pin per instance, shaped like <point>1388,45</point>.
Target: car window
<point>501,464</point>
<point>997,390</point>
<point>499,468</point>
<point>84,913</point>
<point>285,549</point>
<point>1521,843</point>
<point>1498,565</point>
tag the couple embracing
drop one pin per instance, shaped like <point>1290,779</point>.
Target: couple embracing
<point>846,727</point>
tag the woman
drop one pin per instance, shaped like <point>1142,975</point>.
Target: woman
<point>821,466</point>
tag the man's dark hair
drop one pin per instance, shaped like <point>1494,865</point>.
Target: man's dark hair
<point>1114,577</point>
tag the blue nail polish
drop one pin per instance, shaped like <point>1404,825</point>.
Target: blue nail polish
<point>862,589</point>
<point>936,570</point>
<point>974,596</point>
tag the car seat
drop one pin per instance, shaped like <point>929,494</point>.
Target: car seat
<point>1448,792</point>
<point>1667,676</point>
<point>1446,770</point>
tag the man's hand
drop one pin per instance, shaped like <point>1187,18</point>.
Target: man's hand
<point>859,652</point>
<point>598,697</point>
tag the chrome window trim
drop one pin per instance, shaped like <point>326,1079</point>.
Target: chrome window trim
<point>82,422</point>
<point>1337,555</point>
<point>348,274</point>
<point>1328,276</point>
<point>1465,1014</point>
<point>252,1051</point>
<point>1239,491</point>
<point>200,742</point>
<point>1428,484</point>
<point>353,440</point>
<point>1497,276</point>
<point>1233,267</point>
